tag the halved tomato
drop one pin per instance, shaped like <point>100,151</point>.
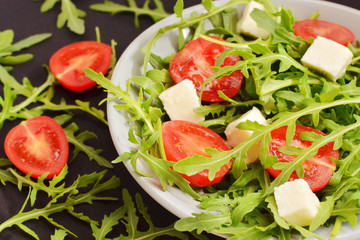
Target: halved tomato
<point>183,139</point>
<point>318,170</point>
<point>312,28</point>
<point>194,62</point>
<point>37,146</point>
<point>68,63</point>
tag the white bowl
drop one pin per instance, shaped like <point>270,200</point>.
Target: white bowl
<point>130,64</point>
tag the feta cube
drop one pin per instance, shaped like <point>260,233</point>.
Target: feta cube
<point>235,136</point>
<point>248,26</point>
<point>296,203</point>
<point>327,57</point>
<point>180,100</point>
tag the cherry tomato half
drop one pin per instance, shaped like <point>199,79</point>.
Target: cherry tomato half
<point>194,62</point>
<point>313,28</point>
<point>68,63</point>
<point>318,170</point>
<point>37,145</point>
<point>183,139</point>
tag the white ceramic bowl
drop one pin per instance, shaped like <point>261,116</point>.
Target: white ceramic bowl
<point>130,64</point>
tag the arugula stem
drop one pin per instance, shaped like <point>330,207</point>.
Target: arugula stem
<point>32,98</point>
<point>287,83</point>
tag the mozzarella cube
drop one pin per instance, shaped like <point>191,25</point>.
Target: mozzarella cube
<point>235,136</point>
<point>180,100</point>
<point>327,57</point>
<point>296,203</point>
<point>248,26</point>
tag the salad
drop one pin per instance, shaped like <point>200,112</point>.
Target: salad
<point>310,112</point>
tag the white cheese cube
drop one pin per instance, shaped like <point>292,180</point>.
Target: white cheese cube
<point>235,136</point>
<point>180,100</point>
<point>248,26</point>
<point>296,203</point>
<point>327,57</point>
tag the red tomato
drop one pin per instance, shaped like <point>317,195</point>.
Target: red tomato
<point>37,145</point>
<point>194,62</point>
<point>69,62</point>
<point>183,139</point>
<point>313,28</point>
<point>318,170</point>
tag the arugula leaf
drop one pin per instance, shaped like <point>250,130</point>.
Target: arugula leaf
<point>8,47</point>
<point>70,15</point>
<point>126,215</point>
<point>78,142</point>
<point>156,14</point>
<point>84,190</point>
<point>203,222</point>
<point>59,234</point>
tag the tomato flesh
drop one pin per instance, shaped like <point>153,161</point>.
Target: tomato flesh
<point>184,139</point>
<point>194,62</point>
<point>69,62</point>
<point>312,28</point>
<point>318,170</point>
<point>37,146</point>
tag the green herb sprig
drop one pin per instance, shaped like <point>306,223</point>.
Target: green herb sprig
<point>70,15</point>
<point>156,13</point>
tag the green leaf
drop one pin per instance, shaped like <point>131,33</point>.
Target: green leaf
<point>48,4</point>
<point>178,8</point>
<point>108,223</point>
<point>84,190</point>
<point>80,146</point>
<point>59,234</point>
<point>72,16</point>
<point>245,205</point>
<point>324,213</point>
<point>156,14</point>
<point>274,210</point>
<point>202,222</point>
<point>28,42</point>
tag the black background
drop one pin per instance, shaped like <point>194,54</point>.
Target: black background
<point>25,18</point>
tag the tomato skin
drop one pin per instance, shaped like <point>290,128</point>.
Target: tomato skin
<point>37,145</point>
<point>312,28</point>
<point>194,62</point>
<point>67,64</point>
<point>184,139</point>
<point>318,170</point>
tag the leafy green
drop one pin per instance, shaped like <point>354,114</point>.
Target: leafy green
<point>59,235</point>
<point>84,190</point>
<point>127,215</point>
<point>8,47</point>
<point>145,117</point>
<point>78,142</point>
<point>70,15</point>
<point>156,13</point>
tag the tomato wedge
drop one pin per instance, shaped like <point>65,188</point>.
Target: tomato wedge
<point>68,63</point>
<point>318,170</point>
<point>37,145</point>
<point>312,28</point>
<point>194,62</point>
<point>183,139</point>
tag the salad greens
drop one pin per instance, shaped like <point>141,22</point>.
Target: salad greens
<point>242,206</point>
<point>73,17</point>
<point>127,214</point>
<point>70,15</point>
<point>156,13</point>
<point>24,101</point>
